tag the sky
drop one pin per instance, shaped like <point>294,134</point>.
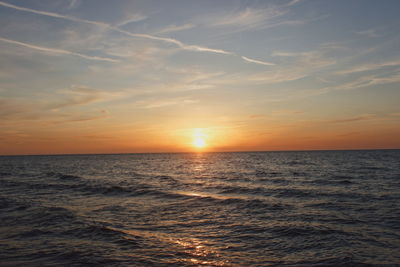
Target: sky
<point>99,76</point>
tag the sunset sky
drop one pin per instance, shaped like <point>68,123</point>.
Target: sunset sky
<point>90,76</point>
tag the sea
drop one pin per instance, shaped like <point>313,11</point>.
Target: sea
<point>300,208</point>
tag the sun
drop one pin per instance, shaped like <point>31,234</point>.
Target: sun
<point>199,142</point>
<point>199,138</point>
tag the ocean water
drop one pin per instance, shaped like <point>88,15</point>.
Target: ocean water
<point>325,208</point>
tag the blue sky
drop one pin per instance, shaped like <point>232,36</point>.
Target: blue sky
<point>128,76</point>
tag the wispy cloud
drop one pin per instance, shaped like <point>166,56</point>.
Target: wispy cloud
<point>253,18</point>
<point>131,18</point>
<point>73,4</point>
<point>76,96</point>
<point>173,41</point>
<point>117,29</point>
<point>293,2</point>
<point>53,108</point>
<point>52,14</point>
<point>249,18</point>
<point>364,81</point>
<point>294,66</point>
<point>371,33</point>
<point>362,117</point>
<point>137,35</point>
<point>371,66</point>
<point>176,28</point>
<point>57,51</point>
<point>257,61</point>
<point>161,103</point>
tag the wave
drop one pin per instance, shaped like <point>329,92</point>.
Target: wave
<point>62,176</point>
<point>295,230</point>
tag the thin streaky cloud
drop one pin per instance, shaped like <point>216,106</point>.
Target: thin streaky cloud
<point>372,33</point>
<point>133,18</point>
<point>368,67</point>
<point>52,14</point>
<point>172,41</point>
<point>293,2</point>
<point>57,51</point>
<point>361,82</point>
<point>137,35</point>
<point>176,28</point>
<point>147,36</point>
<point>257,61</point>
<point>73,4</point>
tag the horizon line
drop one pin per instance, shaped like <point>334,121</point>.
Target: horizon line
<point>199,152</point>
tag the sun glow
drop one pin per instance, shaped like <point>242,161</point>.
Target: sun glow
<point>199,138</point>
<point>199,142</point>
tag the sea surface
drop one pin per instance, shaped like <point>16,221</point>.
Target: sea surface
<point>320,208</point>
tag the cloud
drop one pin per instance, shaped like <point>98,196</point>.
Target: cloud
<point>257,61</point>
<point>56,108</point>
<point>73,4</point>
<point>364,81</point>
<point>368,67</point>
<point>175,28</point>
<point>293,2</point>
<point>131,18</point>
<point>371,33</point>
<point>51,14</point>
<point>49,50</point>
<point>167,102</point>
<point>101,24</point>
<point>250,18</point>
<point>176,42</point>
<point>253,18</point>
<point>68,118</point>
<point>76,96</point>
<point>294,66</point>
<point>354,119</point>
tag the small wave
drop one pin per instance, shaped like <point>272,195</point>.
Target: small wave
<point>236,201</point>
<point>7,204</point>
<point>33,233</point>
<point>293,231</point>
<point>166,178</point>
<point>330,182</point>
<point>293,193</point>
<point>5,174</point>
<point>243,190</point>
<point>261,173</point>
<point>62,176</point>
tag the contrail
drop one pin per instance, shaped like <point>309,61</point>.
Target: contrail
<point>57,51</point>
<point>137,35</point>
<point>257,61</point>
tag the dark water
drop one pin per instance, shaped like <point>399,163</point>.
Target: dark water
<point>338,208</point>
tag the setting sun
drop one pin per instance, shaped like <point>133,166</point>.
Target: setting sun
<point>199,142</point>
<point>199,138</point>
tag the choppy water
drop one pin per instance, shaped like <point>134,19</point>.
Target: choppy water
<point>337,208</point>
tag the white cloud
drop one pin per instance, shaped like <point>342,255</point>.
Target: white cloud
<point>101,24</point>
<point>49,50</point>
<point>175,28</point>
<point>257,61</point>
<point>294,66</point>
<point>364,81</point>
<point>249,17</point>
<point>371,33</point>
<point>371,66</point>
<point>73,4</point>
<point>131,18</point>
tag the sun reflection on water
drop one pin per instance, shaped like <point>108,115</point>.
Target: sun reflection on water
<point>200,254</point>
<point>195,251</point>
